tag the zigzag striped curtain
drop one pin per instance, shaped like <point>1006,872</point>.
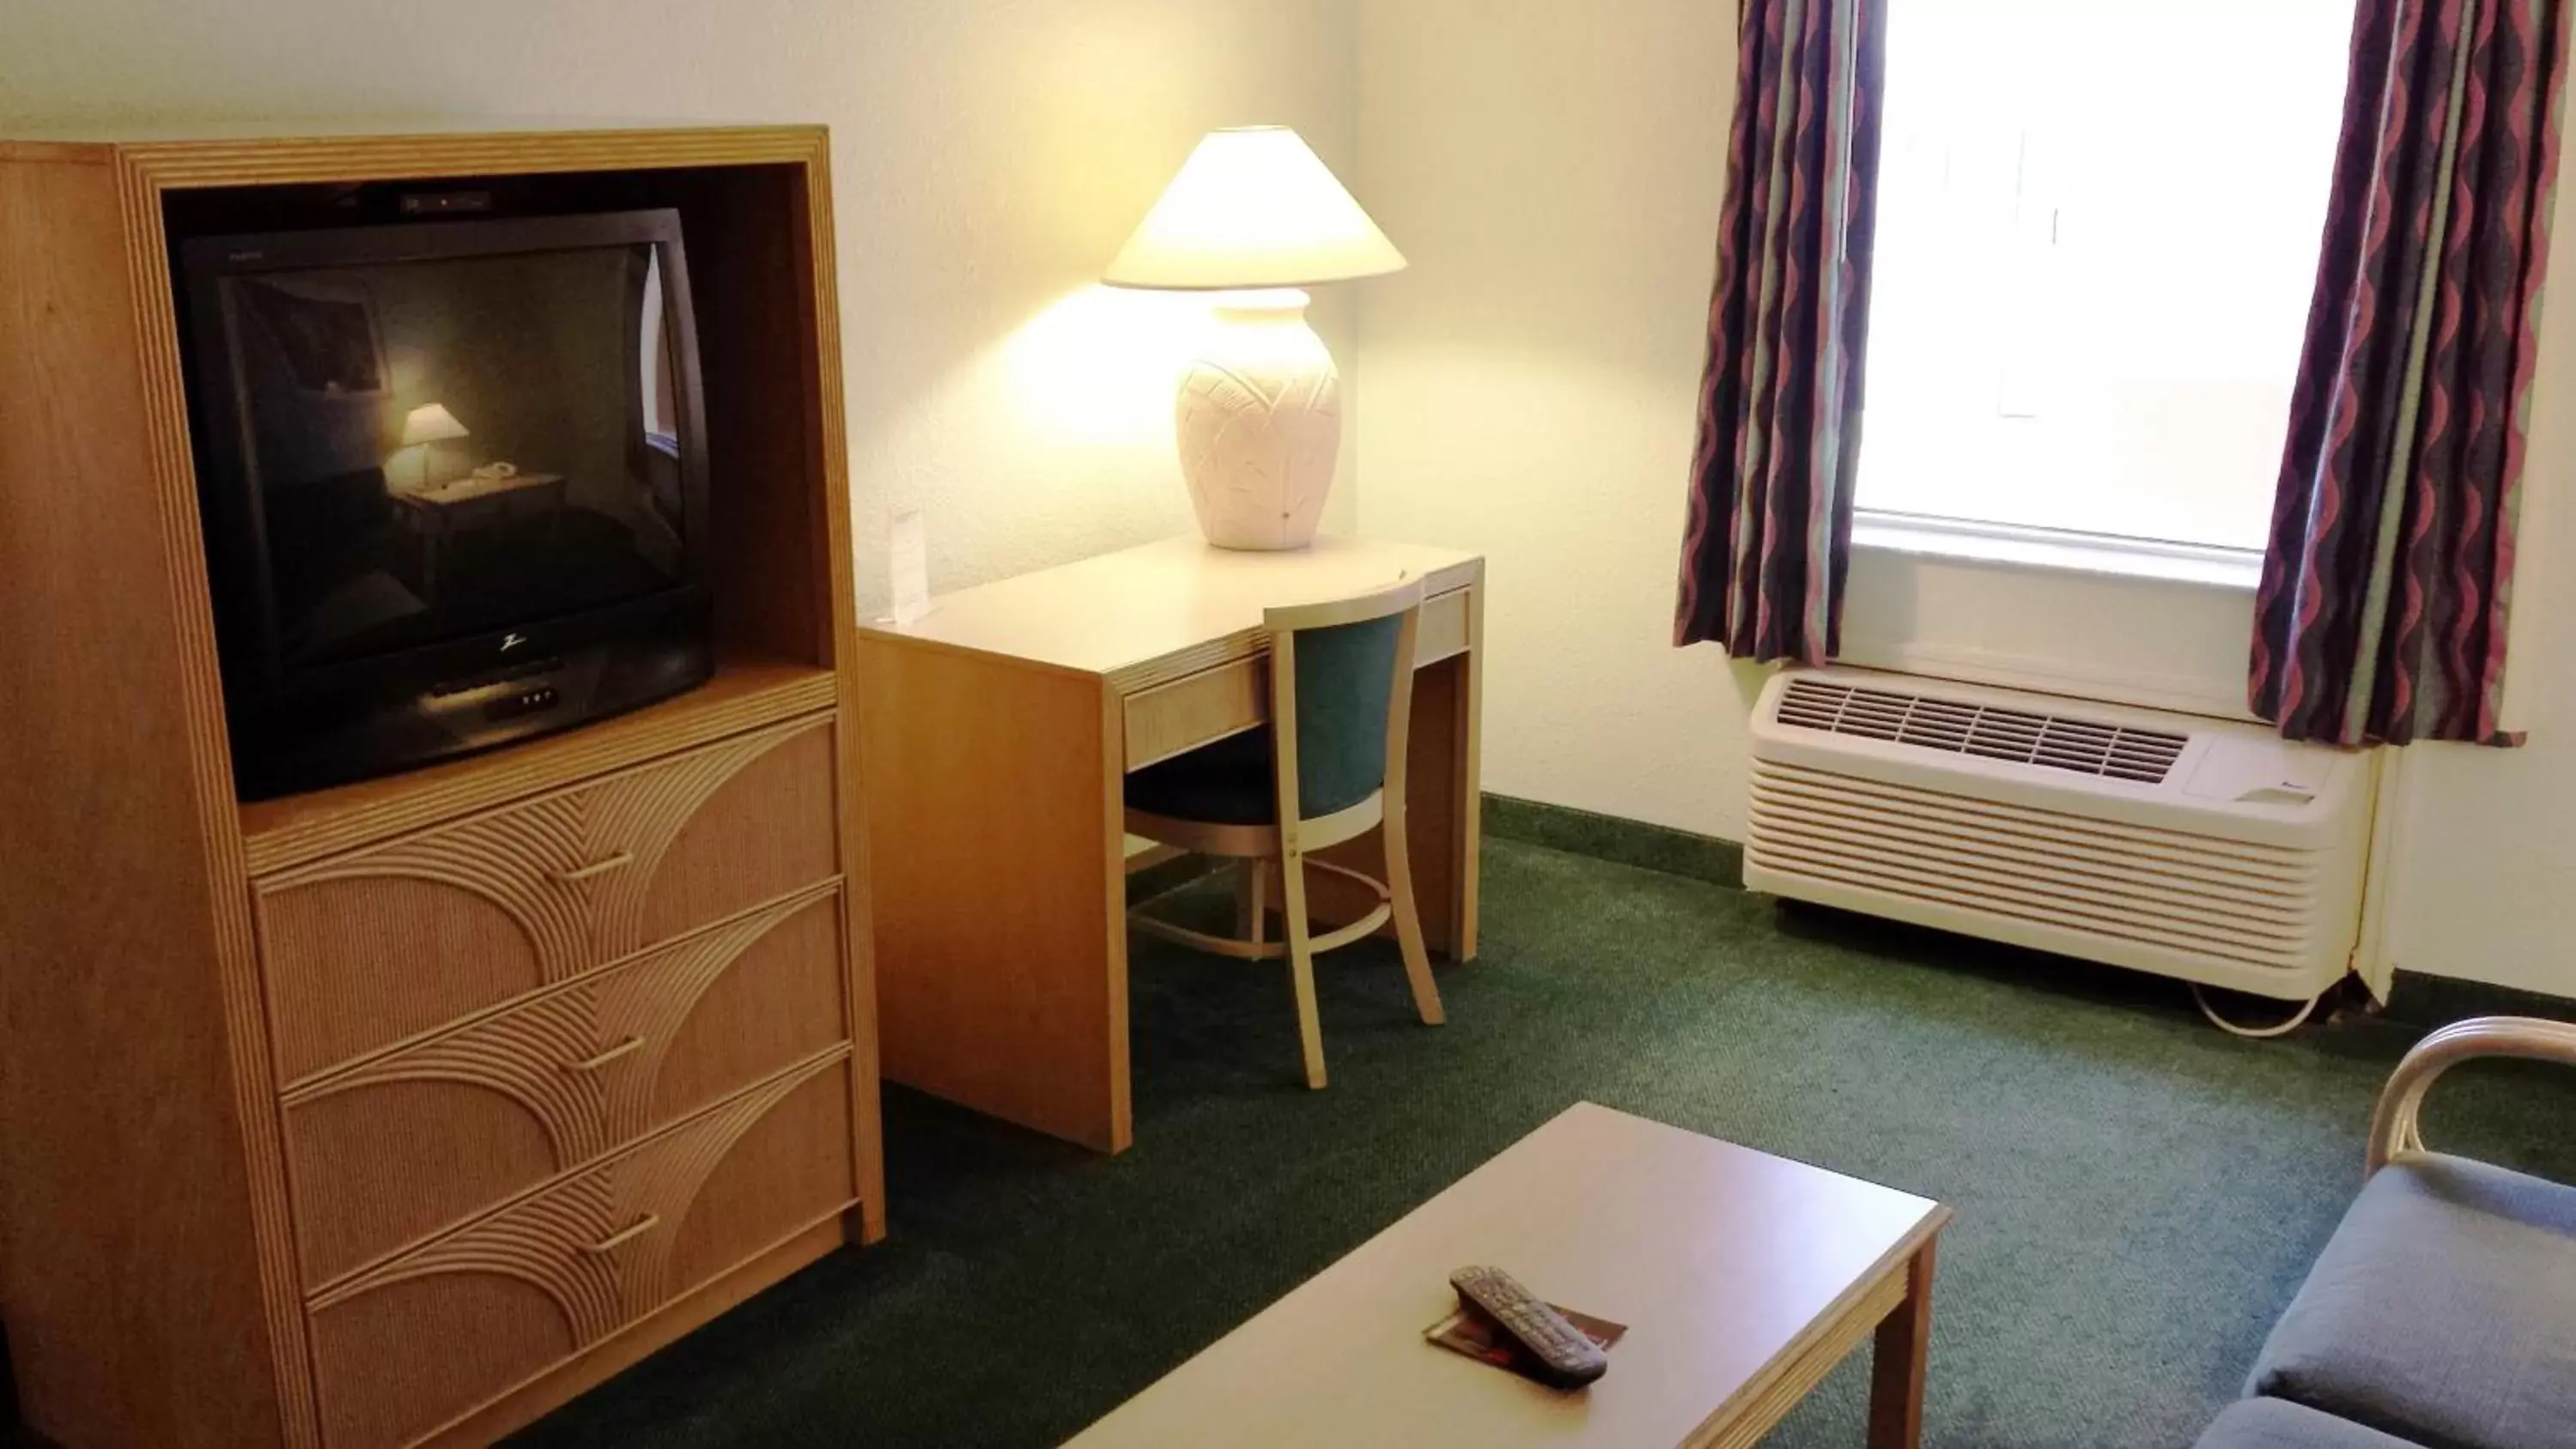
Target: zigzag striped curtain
<point>2381,615</point>
<point>1769,535</point>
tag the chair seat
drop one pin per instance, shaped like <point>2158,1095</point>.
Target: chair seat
<point>2280,1424</point>
<point>2443,1310</point>
<point>1225,783</point>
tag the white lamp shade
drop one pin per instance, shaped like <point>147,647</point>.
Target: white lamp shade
<point>431,424</point>
<point>1254,207</point>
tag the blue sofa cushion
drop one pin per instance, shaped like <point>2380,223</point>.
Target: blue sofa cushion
<point>2443,1310</point>
<point>2280,1424</point>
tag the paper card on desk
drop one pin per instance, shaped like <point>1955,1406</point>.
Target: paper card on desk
<point>909,568</point>
<point>1473,1334</point>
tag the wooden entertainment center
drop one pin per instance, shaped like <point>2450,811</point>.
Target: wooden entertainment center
<point>402,1112</point>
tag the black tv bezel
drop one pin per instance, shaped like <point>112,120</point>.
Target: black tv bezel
<point>256,674</point>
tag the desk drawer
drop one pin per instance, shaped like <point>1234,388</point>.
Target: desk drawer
<point>1175,718</point>
<point>413,1344</point>
<point>364,950</point>
<point>1197,709</point>
<point>428,1136</point>
<point>1442,629</point>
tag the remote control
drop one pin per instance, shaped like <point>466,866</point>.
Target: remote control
<point>1567,1358</point>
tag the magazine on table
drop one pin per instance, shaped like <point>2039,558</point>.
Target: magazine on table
<point>1470,1332</point>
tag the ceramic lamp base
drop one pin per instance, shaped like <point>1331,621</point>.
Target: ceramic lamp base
<point>1260,423</point>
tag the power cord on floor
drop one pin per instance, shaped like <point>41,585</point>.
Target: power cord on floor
<point>2200,998</point>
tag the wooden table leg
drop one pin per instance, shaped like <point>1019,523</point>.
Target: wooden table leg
<point>1467,786</point>
<point>1898,1361</point>
<point>1443,819</point>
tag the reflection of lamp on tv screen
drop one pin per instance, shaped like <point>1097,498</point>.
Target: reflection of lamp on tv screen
<point>376,610</point>
<point>427,426</point>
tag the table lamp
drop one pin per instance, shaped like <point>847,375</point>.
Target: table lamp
<point>1255,216</point>
<point>425,428</point>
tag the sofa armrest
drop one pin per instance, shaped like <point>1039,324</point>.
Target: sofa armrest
<point>2393,1126</point>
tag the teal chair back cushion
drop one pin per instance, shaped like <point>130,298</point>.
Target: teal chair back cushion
<point>1345,676</point>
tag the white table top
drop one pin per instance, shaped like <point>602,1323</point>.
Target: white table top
<point>1121,610</point>
<point>1717,1257</point>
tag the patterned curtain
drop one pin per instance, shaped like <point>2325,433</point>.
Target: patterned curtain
<point>2381,615</point>
<point>1769,537</point>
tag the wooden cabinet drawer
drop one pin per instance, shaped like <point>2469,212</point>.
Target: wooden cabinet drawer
<point>407,1347</point>
<point>399,1147</point>
<point>367,949</point>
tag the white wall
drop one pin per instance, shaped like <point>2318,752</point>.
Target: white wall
<point>988,158</point>
<point>1554,171</point>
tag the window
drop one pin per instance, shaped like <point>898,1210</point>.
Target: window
<point>2097,233</point>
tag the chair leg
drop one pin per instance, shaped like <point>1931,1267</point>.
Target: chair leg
<point>1301,965</point>
<point>1252,902</point>
<point>1408,920</point>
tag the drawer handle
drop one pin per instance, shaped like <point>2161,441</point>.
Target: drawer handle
<point>619,861</point>
<point>604,1058</point>
<point>642,1225</point>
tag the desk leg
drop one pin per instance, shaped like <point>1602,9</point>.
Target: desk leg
<point>993,794</point>
<point>1467,724</point>
<point>1444,815</point>
<point>1898,1361</point>
<point>1445,810</point>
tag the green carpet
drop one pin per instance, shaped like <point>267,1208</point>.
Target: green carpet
<point>2137,1194</point>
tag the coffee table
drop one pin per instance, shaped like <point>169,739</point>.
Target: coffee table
<point>1743,1279</point>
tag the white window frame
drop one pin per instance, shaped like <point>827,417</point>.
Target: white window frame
<point>2019,545</point>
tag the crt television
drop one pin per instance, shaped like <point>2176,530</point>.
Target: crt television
<point>454,484</point>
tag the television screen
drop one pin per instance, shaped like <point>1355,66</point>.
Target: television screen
<point>441,448</point>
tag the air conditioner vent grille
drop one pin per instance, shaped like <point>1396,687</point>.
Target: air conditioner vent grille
<point>1961,727</point>
<point>2252,906</point>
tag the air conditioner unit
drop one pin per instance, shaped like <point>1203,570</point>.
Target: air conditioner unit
<point>2215,852</point>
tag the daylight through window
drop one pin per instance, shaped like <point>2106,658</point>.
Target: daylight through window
<point>2098,230</point>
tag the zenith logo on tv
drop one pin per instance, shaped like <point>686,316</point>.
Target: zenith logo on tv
<point>512,641</point>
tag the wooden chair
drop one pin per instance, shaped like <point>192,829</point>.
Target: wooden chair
<point>1327,769</point>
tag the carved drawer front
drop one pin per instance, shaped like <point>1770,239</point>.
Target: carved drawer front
<point>393,1150</point>
<point>406,1347</point>
<point>364,950</point>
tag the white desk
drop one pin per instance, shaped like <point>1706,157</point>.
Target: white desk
<point>996,734</point>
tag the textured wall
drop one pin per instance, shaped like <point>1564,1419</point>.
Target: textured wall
<point>988,158</point>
